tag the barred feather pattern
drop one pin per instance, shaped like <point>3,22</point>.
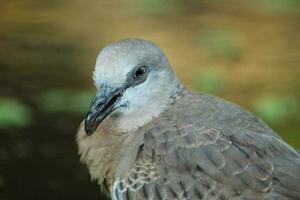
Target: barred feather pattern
<point>206,148</point>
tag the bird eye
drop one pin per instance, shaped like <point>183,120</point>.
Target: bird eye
<point>140,73</point>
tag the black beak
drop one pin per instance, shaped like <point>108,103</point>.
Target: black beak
<point>102,105</point>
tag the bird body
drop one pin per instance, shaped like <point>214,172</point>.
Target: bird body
<point>195,146</point>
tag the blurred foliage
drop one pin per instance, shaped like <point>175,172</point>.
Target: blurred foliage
<point>279,6</point>
<point>13,113</point>
<point>291,137</point>
<point>57,101</point>
<point>275,109</point>
<point>156,7</point>
<point>220,43</point>
<point>209,81</point>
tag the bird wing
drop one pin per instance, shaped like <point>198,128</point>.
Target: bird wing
<point>192,159</point>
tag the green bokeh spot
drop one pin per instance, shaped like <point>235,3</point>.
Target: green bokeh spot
<point>220,43</point>
<point>156,7</point>
<point>81,101</point>
<point>209,81</point>
<point>275,108</point>
<point>13,113</point>
<point>282,6</point>
<point>57,101</point>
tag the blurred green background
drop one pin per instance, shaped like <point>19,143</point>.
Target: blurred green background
<point>244,51</point>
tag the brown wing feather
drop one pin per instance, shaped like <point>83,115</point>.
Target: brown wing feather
<point>217,156</point>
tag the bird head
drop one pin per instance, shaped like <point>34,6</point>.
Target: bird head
<point>134,82</point>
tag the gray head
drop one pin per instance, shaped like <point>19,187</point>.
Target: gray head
<point>134,83</point>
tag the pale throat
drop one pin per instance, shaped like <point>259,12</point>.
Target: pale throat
<point>130,122</point>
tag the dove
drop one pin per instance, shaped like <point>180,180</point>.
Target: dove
<point>148,137</point>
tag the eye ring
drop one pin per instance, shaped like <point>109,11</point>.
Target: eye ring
<point>140,73</point>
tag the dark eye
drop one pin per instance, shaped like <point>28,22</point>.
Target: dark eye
<point>140,73</point>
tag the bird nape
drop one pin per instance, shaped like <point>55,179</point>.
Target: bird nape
<point>148,137</point>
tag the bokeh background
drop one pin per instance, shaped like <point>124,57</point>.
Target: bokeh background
<point>244,51</point>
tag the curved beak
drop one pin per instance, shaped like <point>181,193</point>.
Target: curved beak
<point>102,105</point>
